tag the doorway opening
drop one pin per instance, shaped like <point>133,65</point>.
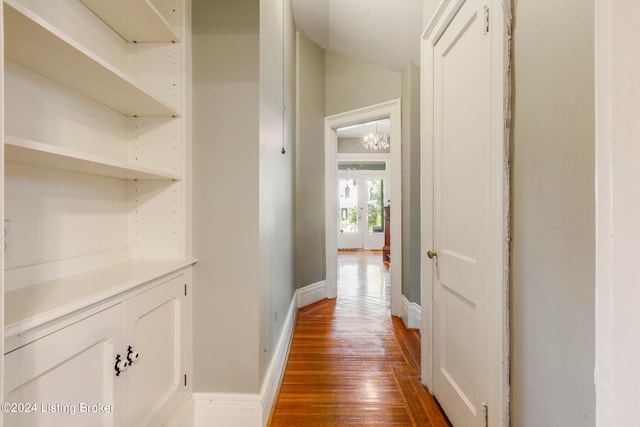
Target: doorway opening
<point>361,223</point>
<point>363,190</point>
<point>364,193</point>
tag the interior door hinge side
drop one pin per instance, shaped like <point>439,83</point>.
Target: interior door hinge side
<point>486,19</point>
<point>485,414</point>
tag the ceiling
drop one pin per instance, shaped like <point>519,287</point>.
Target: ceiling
<point>360,130</point>
<point>383,32</point>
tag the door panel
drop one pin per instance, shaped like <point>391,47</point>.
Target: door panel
<point>349,231</point>
<point>154,324</point>
<point>62,372</point>
<point>461,163</point>
<point>459,344</point>
<point>373,237</point>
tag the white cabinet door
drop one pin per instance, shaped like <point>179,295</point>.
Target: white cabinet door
<point>67,378</point>
<point>155,323</point>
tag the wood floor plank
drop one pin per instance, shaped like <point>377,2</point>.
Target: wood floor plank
<point>350,362</point>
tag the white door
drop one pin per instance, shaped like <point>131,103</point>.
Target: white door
<point>361,213</point>
<point>461,148</point>
<point>67,378</point>
<point>155,337</point>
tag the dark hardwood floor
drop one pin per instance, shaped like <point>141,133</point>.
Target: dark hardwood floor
<point>350,362</point>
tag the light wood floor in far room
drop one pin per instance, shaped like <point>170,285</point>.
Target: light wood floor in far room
<point>350,362</point>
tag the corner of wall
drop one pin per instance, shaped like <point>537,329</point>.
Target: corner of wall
<point>352,83</point>
<point>411,314</point>
<point>309,168</point>
<point>246,409</point>
<point>411,182</point>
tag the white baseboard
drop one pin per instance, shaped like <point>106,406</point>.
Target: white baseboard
<point>278,361</point>
<point>415,316</point>
<point>312,293</point>
<point>411,313</point>
<point>227,409</point>
<point>248,410</point>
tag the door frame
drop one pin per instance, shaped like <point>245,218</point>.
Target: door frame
<point>499,216</point>
<point>391,110</point>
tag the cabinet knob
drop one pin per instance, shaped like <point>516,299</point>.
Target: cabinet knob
<point>431,254</point>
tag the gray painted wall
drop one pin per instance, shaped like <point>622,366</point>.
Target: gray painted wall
<point>243,189</point>
<point>552,295</point>
<point>351,83</point>
<point>276,207</point>
<point>411,182</point>
<point>310,248</point>
<point>225,143</point>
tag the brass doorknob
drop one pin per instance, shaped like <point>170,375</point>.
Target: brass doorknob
<point>431,254</point>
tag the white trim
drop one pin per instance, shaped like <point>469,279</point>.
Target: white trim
<point>392,110</point>
<point>227,409</point>
<point>498,333</point>
<point>246,409</point>
<point>606,134</point>
<point>312,293</point>
<point>411,314</point>
<point>404,310</point>
<point>617,211</point>
<point>501,212</point>
<point>435,18</point>
<point>415,316</point>
<point>366,157</point>
<point>426,223</point>
<point>278,361</point>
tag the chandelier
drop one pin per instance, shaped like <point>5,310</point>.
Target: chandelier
<point>375,141</point>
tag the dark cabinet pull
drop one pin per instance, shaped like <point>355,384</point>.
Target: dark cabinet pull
<point>117,365</point>
<point>131,357</point>
<point>129,354</point>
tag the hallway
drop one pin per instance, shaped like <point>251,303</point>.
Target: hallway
<point>350,362</point>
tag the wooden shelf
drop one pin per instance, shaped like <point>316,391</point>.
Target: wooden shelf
<point>36,153</point>
<point>135,20</point>
<point>40,47</point>
<point>38,304</point>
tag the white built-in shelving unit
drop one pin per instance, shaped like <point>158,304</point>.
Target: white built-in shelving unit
<point>95,149</point>
<point>38,154</point>
<point>160,22</point>
<point>44,49</point>
<point>94,91</point>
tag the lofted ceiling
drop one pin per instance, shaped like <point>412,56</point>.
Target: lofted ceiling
<point>382,32</point>
<point>361,129</point>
